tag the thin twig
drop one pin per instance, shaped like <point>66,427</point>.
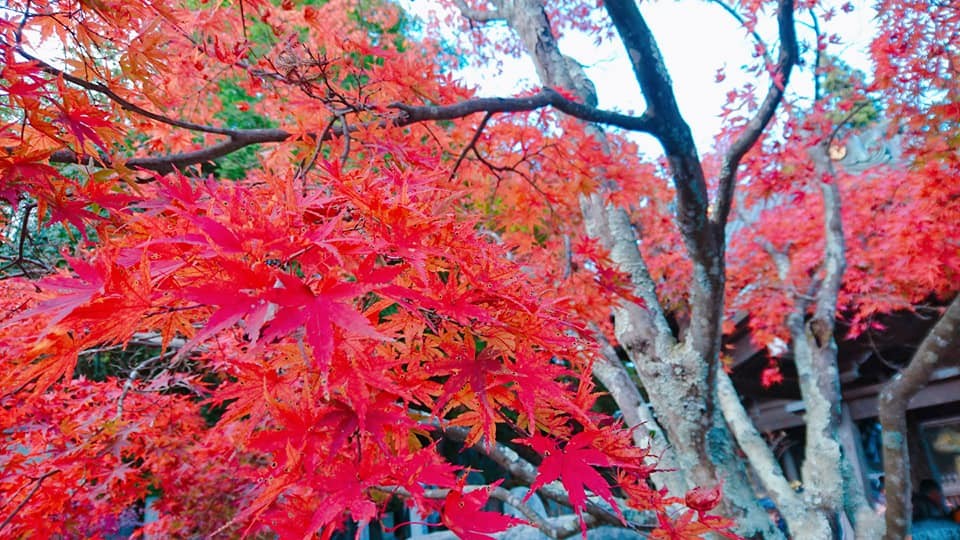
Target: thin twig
<point>18,33</point>
<point>22,235</point>
<point>521,174</point>
<point>816,58</point>
<point>346,137</point>
<point>124,104</point>
<point>36,487</point>
<point>743,22</point>
<point>243,21</point>
<point>842,122</point>
<point>128,384</point>
<point>471,145</point>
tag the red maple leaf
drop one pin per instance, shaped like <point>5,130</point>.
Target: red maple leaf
<point>572,464</point>
<point>318,312</point>
<point>463,514</point>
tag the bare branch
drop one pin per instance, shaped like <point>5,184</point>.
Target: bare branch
<point>896,394</point>
<point>169,163</point>
<point>21,260</point>
<point>815,352</point>
<point>764,462</point>
<point>128,384</point>
<point>477,15</point>
<point>36,486</point>
<point>345,154</point>
<point>834,251</point>
<point>124,104</point>
<point>408,114</point>
<point>546,97</point>
<point>306,167</point>
<point>753,33</point>
<point>18,33</point>
<point>611,372</point>
<point>626,253</point>
<point>471,144</point>
<point>816,61</point>
<point>525,471</point>
<point>789,52</point>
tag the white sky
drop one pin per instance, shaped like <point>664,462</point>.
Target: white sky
<point>696,38</point>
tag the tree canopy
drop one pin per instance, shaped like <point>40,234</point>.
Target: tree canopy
<point>268,262</point>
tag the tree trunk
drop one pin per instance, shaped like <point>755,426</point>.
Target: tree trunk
<point>894,399</point>
<point>679,376</point>
<point>801,521</point>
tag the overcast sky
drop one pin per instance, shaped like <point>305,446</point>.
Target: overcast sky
<point>696,38</point>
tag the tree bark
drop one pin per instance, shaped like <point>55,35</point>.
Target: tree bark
<point>529,21</point>
<point>680,376</point>
<point>894,399</point>
<point>801,521</point>
<point>815,355</point>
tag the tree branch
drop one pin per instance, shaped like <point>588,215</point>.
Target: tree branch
<point>477,15</point>
<point>815,355</point>
<point>817,92</point>
<point>626,253</point>
<point>789,52</point>
<point>527,473</point>
<point>611,372</point>
<point>753,33</point>
<point>763,461</point>
<point>123,103</point>
<point>36,486</point>
<point>167,164</point>
<point>834,250</point>
<point>132,377</point>
<point>894,398</point>
<point>496,492</point>
<point>471,145</point>
<point>546,97</point>
<point>408,114</point>
<point>702,243</point>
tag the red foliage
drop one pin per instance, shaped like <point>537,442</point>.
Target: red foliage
<point>287,347</point>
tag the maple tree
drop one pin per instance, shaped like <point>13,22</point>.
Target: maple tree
<point>294,255</point>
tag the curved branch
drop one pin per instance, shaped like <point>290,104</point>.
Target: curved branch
<point>894,398</point>
<point>169,163</point>
<point>36,487</point>
<point>408,114</point>
<point>123,103</point>
<point>546,97</point>
<point>789,52</point>
<point>471,145</point>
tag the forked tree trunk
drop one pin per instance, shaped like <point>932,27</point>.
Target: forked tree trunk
<point>678,375</point>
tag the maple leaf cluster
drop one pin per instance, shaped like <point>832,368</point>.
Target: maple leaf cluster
<point>267,311</point>
<point>285,351</point>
